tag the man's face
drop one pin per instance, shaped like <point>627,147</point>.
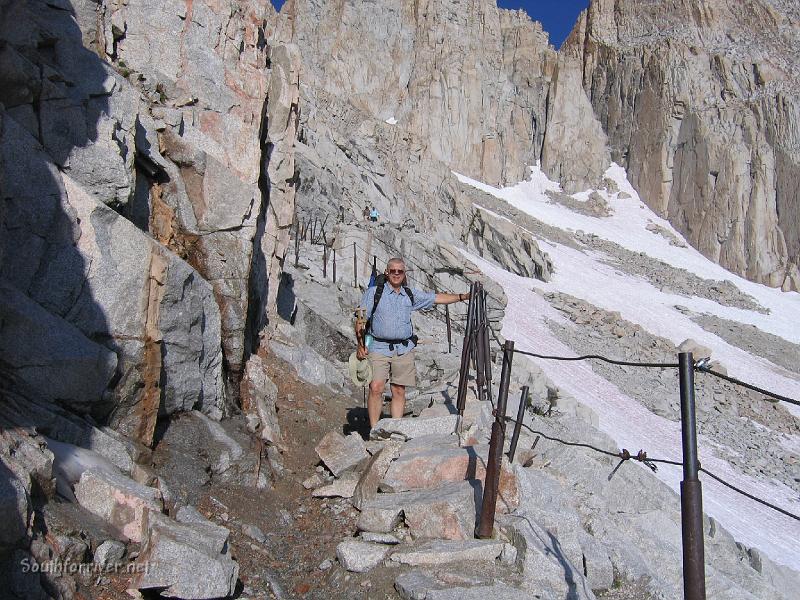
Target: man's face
<point>396,272</point>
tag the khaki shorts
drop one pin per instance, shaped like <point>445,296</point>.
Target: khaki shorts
<point>400,370</point>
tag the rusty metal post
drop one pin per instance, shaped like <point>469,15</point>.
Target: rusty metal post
<point>694,568</point>
<point>324,261</point>
<point>487,349</point>
<point>480,357</point>
<point>322,228</point>
<point>465,355</point>
<point>297,246</point>
<point>449,328</point>
<point>491,484</point>
<point>355,267</point>
<point>523,400</point>
<point>334,265</point>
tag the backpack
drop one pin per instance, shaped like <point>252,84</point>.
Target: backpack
<point>380,281</point>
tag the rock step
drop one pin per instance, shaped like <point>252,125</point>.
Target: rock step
<point>427,468</point>
<point>419,585</point>
<point>439,552</point>
<point>406,429</point>
<point>359,556</point>
<point>446,512</point>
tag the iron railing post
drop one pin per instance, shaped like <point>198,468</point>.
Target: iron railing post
<point>355,267</point>
<point>694,571</point>
<point>523,399</point>
<point>491,484</point>
<point>463,377</point>
<point>449,328</point>
<point>487,349</point>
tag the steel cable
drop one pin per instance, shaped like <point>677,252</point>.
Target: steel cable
<point>598,357</point>
<point>704,369</point>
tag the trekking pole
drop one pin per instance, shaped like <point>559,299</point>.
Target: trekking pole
<point>334,265</point>
<point>491,484</point>
<point>694,570</point>
<point>324,261</point>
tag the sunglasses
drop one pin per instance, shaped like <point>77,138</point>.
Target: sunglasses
<point>396,271</point>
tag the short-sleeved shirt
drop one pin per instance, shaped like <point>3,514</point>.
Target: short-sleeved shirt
<point>392,318</point>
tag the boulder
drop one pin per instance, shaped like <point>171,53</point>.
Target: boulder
<point>360,556</point>
<point>340,488</point>
<point>186,560</point>
<point>340,453</point>
<point>109,554</point>
<point>259,395</point>
<point>446,512</point>
<point>429,468</point>
<point>118,500</point>
<point>367,486</point>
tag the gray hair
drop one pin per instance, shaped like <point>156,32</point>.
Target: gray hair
<point>395,260</point>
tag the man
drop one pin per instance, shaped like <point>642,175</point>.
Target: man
<point>392,350</point>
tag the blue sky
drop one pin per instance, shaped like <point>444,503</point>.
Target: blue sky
<point>556,16</point>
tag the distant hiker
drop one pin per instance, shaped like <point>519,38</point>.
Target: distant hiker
<point>366,213</point>
<point>388,308</point>
<point>373,214</point>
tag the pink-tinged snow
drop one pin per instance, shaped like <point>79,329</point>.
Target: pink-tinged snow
<point>634,427</point>
<point>583,275</point>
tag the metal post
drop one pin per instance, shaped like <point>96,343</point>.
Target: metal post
<point>505,378</point>
<point>480,358</point>
<point>487,349</point>
<point>355,267</point>
<point>491,485</point>
<point>465,353</point>
<point>322,228</point>
<point>523,400</point>
<point>449,328</point>
<point>334,265</point>
<point>297,246</point>
<point>694,569</point>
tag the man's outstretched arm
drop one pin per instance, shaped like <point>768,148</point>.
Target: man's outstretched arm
<point>450,298</point>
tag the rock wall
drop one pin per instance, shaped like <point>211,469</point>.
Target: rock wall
<point>700,102</point>
<point>147,178</point>
<point>467,79</point>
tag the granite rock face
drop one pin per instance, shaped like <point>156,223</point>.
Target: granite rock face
<point>147,168</point>
<point>698,101</point>
<point>424,67</point>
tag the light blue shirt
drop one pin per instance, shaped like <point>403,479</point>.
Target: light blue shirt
<point>393,316</point>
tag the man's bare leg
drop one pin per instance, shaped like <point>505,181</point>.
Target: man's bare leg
<point>398,400</point>
<point>375,401</point>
